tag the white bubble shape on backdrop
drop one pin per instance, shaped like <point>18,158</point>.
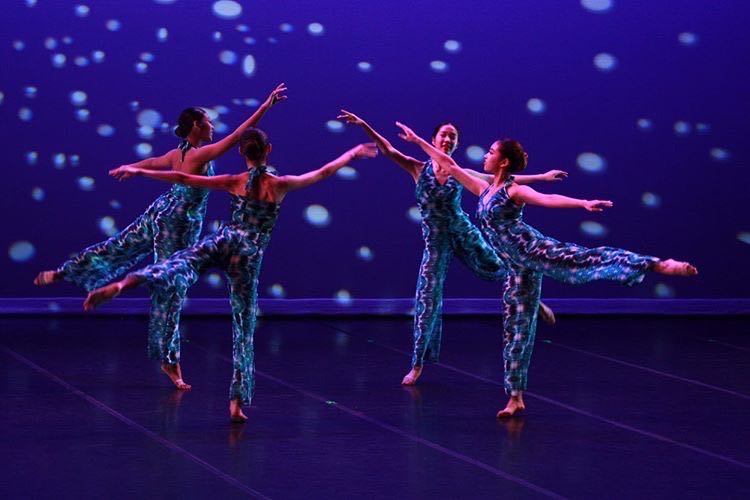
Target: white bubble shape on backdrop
<point>21,251</point>
<point>687,39</point>
<point>165,2</point>
<point>81,61</point>
<point>452,46</point>
<point>228,57</point>
<point>249,40</point>
<point>365,253</point>
<point>50,43</point>
<point>593,229</point>
<point>31,3</point>
<point>67,40</point>
<point>348,173</point>
<point>591,162</point>
<point>143,150</point>
<point>82,10</point>
<point>720,154</point>
<point>277,291</point>
<point>140,67</point>
<point>38,193</point>
<point>58,60</point>
<point>242,28</point>
<point>25,114</point>
<point>113,25</point>
<point>32,157</point>
<point>286,28</point>
<point>149,117</point>
<point>663,291</point>
<point>744,237</point>
<point>317,215</point>
<point>536,106</point>
<point>2,97</point>
<point>73,160</point>
<point>146,132</point>
<point>216,36</point>
<point>248,65</point>
<point>115,204</point>
<point>78,98</point>
<point>702,128</point>
<point>605,62</point>
<point>475,153</point>
<point>315,29</point>
<point>682,128</point>
<point>364,66</point>
<point>597,6</point>
<point>335,126</point>
<point>83,115</point>
<point>343,297</point>
<point>645,124</point>
<point>19,45</point>
<point>439,66</point>
<point>162,34</point>
<point>98,56</point>
<point>85,183</point>
<point>414,215</point>
<point>650,200</point>
<point>30,91</point>
<point>147,57</point>
<point>105,130</point>
<point>59,160</point>
<point>227,9</point>
<point>107,225</point>
<point>214,280</point>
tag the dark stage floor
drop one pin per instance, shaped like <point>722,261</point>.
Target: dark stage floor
<point>622,407</point>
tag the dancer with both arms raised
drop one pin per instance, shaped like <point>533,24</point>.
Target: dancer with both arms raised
<point>530,255</point>
<point>447,230</point>
<point>237,248</point>
<point>170,223</point>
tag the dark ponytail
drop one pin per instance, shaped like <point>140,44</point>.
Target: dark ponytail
<point>253,143</point>
<point>511,150</point>
<point>186,120</point>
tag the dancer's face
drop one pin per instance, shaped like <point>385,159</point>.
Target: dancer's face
<point>206,127</point>
<point>493,159</point>
<point>446,139</point>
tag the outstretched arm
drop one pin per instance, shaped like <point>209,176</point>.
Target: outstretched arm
<point>163,162</point>
<point>411,165</point>
<point>525,194</point>
<point>474,184</point>
<point>288,183</point>
<point>229,183</point>
<point>549,176</point>
<point>212,151</point>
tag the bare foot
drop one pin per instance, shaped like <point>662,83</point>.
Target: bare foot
<point>47,278</point>
<point>412,376</point>
<point>515,405</point>
<point>546,314</point>
<point>101,295</point>
<point>235,412</point>
<point>675,268</point>
<point>175,375</point>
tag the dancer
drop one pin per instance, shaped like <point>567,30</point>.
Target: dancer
<point>531,255</point>
<point>237,248</point>
<point>170,223</point>
<point>446,230</point>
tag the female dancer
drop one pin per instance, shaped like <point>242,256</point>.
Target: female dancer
<point>531,255</point>
<point>446,230</point>
<point>237,248</point>
<point>170,223</point>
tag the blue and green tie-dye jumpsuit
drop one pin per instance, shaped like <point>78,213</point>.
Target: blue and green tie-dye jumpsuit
<point>446,230</point>
<point>530,255</point>
<point>237,248</point>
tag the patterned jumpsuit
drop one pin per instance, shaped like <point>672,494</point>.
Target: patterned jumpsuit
<point>530,255</point>
<point>237,248</point>
<point>446,230</point>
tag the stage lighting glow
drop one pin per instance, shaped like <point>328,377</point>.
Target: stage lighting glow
<point>228,57</point>
<point>214,280</point>
<point>227,9</point>
<point>21,251</point>
<point>663,291</point>
<point>452,46</point>
<point>687,39</point>
<point>162,34</point>
<point>78,98</point>
<point>146,132</point>
<point>98,56</point>
<point>475,153</point>
<point>645,124</point>
<point>146,57</point>
<point>536,106</point>
<point>30,91</point>
<point>59,160</point>
<point>82,10</point>
<point>105,130</point>
<point>19,45</point>
<point>315,29</point>
<point>414,215</point>
<point>38,193</point>
<point>143,150</point>
<point>115,204</point>
<point>335,126</point>
<point>248,65</point>
<point>605,62</point>
<point>81,61</point>
<point>720,154</point>
<point>251,102</point>
<point>107,225</point>
<point>113,25</point>
<point>67,40</point>
<point>682,128</point>
<point>317,215</point>
<point>439,66</point>
<point>149,117</point>
<point>165,2</point>
<point>50,43</point>
<point>242,28</point>
<point>598,6</point>
<point>744,237</point>
<point>31,3</point>
<point>593,229</point>
<point>347,173</point>
<point>217,36</point>
<point>74,160</point>
<point>365,253</point>
<point>58,60</point>
<point>140,67</point>
<point>343,297</point>
<point>25,114</point>
<point>85,183</point>
<point>591,162</point>
<point>702,128</point>
<point>32,157</point>
<point>364,66</point>
<point>650,200</point>
<point>286,28</point>
<point>249,40</point>
<point>83,115</point>
<point>277,291</point>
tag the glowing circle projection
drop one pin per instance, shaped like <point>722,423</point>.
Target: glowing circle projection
<point>593,229</point>
<point>687,39</point>
<point>682,128</point>
<point>105,130</point>
<point>591,162</point>
<point>414,215</point>
<point>162,34</point>
<point>276,291</point>
<point>98,56</point>
<point>475,153</point>
<point>30,91</point>
<point>364,66</point>
<point>335,126</point>
<point>82,10</point>
<point>214,280</point>
<point>452,46</point>
<point>343,297</point>
<point>650,200</point>
<point>25,114</point>
<point>286,28</point>
<point>365,253</point>
<point>663,291</point>
<point>78,98</point>
<point>81,61</point>
<point>720,154</point>
<point>439,66</point>
<point>50,43</point>
<point>228,57</point>
<point>227,9</point>
<point>347,172</point>
<point>315,29</point>
<point>107,225</point>
<point>248,65</point>
<point>143,150</point>
<point>598,6</point>
<point>21,251</point>
<point>744,237</point>
<point>83,115</point>
<point>59,160</point>
<point>113,25</point>
<point>536,106</point>
<point>605,62</point>
<point>58,60</point>
<point>19,45</point>
<point>645,124</point>
<point>85,183</point>
<point>317,215</point>
<point>32,157</point>
<point>38,193</point>
<point>149,117</point>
